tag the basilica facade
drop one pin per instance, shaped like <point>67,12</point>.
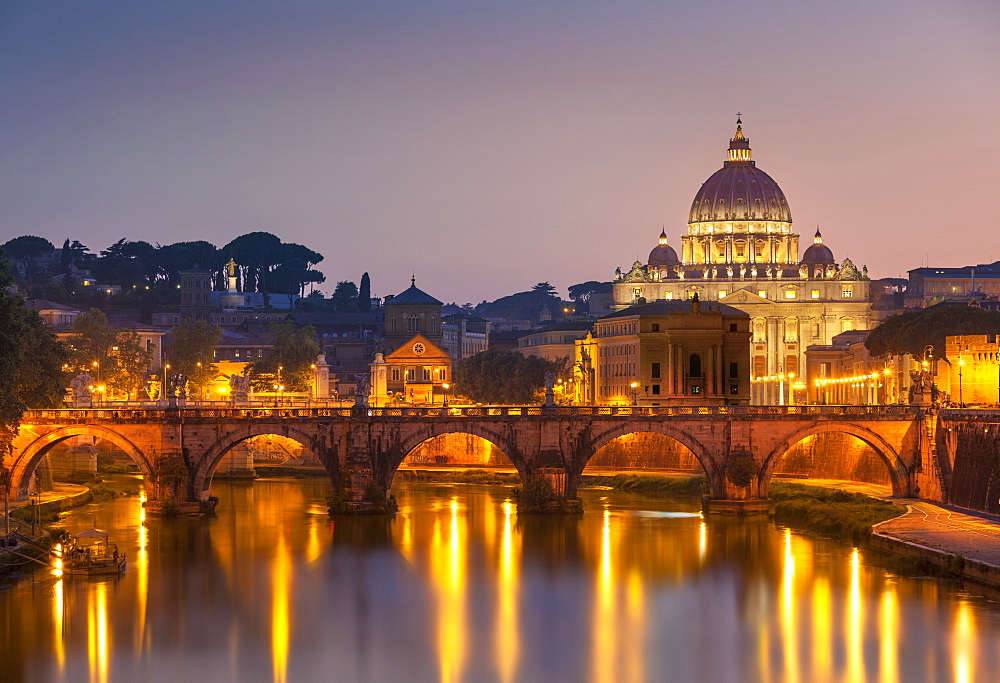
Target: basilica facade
<point>741,250</point>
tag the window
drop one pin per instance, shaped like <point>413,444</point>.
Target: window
<point>791,364</point>
<point>734,388</point>
<point>761,293</point>
<point>656,389</point>
<point>444,374</point>
<point>815,294</point>
<point>733,327</point>
<point>655,371</point>
<point>694,365</point>
<point>392,324</point>
<point>790,293</point>
<point>656,327</point>
<point>847,292</point>
<point>815,330</point>
<point>395,373</point>
<point>759,366</point>
<point>722,293</point>
<point>670,295</point>
<point>846,325</point>
<point>412,323</point>
<point>695,388</point>
<point>426,374</point>
<point>734,370</point>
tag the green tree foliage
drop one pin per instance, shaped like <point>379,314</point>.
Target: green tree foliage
<point>913,331</point>
<point>524,305</point>
<point>295,350</point>
<point>192,343</point>
<point>365,294</point>
<point>27,247</point>
<point>345,297</point>
<point>121,359</point>
<point>30,361</point>
<point>504,377</point>
<point>257,253</point>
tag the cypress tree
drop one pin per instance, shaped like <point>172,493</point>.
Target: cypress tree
<point>365,294</point>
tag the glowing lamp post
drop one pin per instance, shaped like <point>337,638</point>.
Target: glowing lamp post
<point>446,387</point>
<point>961,364</point>
<point>635,393</point>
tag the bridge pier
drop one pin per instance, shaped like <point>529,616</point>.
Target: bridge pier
<point>173,491</point>
<point>547,490</point>
<point>360,490</point>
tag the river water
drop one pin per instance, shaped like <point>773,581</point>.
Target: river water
<point>456,588</point>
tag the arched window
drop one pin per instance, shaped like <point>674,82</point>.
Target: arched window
<point>694,365</point>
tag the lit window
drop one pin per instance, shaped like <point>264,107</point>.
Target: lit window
<point>670,295</point>
<point>789,293</point>
<point>847,291</point>
<point>761,293</point>
<point>815,294</point>
<point>722,293</point>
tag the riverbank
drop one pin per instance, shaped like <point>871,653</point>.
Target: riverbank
<point>962,542</point>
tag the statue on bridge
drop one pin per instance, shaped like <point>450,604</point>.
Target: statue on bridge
<point>361,392</point>
<point>239,389</point>
<point>922,389</point>
<point>81,391</point>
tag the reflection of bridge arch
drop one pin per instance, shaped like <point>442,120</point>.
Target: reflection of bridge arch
<point>410,443</point>
<point>663,429</point>
<point>25,464</point>
<point>898,474</point>
<point>218,450</point>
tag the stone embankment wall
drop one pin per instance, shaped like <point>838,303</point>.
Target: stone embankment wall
<point>458,449</point>
<point>975,480</point>
<point>834,456</point>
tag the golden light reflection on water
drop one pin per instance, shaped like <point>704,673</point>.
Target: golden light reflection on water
<point>280,621</point>
<point>822,633</point>
<point>97,633</point>
<point>964,643</point>
<point>789,627</point>
<point>447,568</point>
<point>142,570</point>
<point>603,626</point>
<point>889,633</point>
<point>854,634</point>
<point>59,611</point>
<point>508,627</point>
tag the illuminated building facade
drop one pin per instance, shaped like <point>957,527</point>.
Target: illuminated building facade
<point>666,353</point>
<point>974,368</point>
<point>741,250</point>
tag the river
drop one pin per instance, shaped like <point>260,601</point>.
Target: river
<point>456,588</point>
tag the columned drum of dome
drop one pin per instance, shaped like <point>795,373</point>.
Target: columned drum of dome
<point>740,215</point>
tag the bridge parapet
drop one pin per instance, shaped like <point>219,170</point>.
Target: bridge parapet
<point>74,415</point>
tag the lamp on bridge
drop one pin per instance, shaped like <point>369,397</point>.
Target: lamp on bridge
<point>635,393</point>
<point>446,387</point>
<point>961,364</point>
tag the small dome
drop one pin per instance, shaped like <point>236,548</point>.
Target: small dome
<point>818,253</point>
<point>663,254</point>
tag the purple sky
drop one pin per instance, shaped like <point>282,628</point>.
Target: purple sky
<point>489,146</point>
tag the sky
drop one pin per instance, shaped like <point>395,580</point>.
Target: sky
<point>487,146</point>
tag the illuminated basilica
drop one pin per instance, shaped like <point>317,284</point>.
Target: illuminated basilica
<point>740,249</point>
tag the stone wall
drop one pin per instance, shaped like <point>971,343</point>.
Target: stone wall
<point>975,481</point>
<point>834,455</point>
<point>645,451</point>
<point>458,449</point>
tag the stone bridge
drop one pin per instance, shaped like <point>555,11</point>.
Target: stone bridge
<point>178,450</point>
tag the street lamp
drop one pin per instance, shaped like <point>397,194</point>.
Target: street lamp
<point>635,393</point>
<point>97,369</point>
<point>163,387</point>
<point>446,387</point>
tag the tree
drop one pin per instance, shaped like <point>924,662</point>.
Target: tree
<point>120,360</point>
<point>294,352</point>
<point>256,253</point>
<point>30,363</point>
<point>913,331</point>
<point>365,294</point>
<point>192,350</point>
<point>345,297</point>
<point>504,377</point>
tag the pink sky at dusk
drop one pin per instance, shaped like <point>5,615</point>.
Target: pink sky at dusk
<point>490,146</point>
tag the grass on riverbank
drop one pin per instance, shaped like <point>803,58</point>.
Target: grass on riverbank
<point>831,512</point>
<point>472,476</point>
<point>649,484</point>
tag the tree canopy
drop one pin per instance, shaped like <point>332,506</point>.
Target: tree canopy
<point>294,352</point>
<point>504,377</point>
<point>30,362</point>
<point>913,331</point>
<point>115,357</point>
<point>192,351</point>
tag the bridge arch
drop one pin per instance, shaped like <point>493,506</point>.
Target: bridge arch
<point>24,464</point>
<point>662,428</point>
<point>409,443</point>
<point>209,461</point>
<point>898,474</point>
